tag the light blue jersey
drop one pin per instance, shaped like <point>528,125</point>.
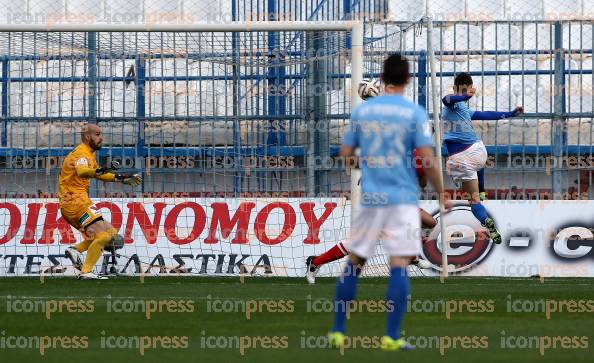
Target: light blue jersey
<point>457,124</point>
<point>387,129</point>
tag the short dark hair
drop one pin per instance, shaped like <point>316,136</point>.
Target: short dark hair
<point>463,79</point>
<point>395,70</point>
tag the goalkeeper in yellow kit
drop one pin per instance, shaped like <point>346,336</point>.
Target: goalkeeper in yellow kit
<point>79,167</point>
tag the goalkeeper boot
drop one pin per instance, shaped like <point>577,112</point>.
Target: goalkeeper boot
<point>493,232</point>
<point>312,270</point>
<point>75,257</point>
<point>336,339</point>
<point>91,276</point>
<point>389,344</point>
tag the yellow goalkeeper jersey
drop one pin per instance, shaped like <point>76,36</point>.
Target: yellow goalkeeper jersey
<point>70,184</point>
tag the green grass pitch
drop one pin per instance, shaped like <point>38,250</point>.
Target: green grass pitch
<point>506,314</point>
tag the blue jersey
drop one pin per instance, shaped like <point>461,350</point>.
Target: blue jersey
<point>457,117</point>
<point>387,129</point>
<point>457,123</point>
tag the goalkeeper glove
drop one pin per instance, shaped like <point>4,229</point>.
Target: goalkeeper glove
<point>111,168</point>
<point>129,179</point>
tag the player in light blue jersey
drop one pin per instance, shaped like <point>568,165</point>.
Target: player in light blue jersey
<point>467,153</point>
<point>387,129</point>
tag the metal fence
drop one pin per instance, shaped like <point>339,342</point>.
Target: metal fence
<point>200,113</point>
<point>544,66</point>
<point>177,99</point>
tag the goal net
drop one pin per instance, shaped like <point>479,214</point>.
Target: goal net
<point>235,130</point>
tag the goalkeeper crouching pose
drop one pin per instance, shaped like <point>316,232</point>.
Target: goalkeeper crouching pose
<point>386,129</point>
<point>78,168</point>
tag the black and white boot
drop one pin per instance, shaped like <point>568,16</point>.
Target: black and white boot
<point>91,276</point>
<point>312,270</point>
<point>75,257</point>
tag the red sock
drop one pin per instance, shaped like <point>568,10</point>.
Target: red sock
<point>335,253</point>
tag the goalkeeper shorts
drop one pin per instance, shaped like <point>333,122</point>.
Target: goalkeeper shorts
<point>397,226</point>
<point>81,215</point>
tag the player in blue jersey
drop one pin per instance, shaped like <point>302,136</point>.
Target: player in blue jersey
<point>467,153</point>
<point>386,129</point>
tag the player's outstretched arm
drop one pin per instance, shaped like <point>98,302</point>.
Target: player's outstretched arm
<point>106,174</point>
<point>84,171</point>
<point>129,179</point>
<point>432,172</point>
<point>112,175</point>
<point>496,115</point>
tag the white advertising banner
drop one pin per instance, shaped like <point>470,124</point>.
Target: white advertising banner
<point>272,237</point>
<point>540,238</point>
<point>197,236</point>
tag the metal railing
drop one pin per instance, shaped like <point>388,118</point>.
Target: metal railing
<point>544,65</point>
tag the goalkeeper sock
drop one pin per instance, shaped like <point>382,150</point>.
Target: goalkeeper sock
<point>335,253</point>
<point>479,212</point>
<point>346,289</point>
<point>83,245</point>
<point>96,249</point>
<point>396,296</point>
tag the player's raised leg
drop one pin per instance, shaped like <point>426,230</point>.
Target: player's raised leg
<point>463,168</point>
<point>314,263</point>
<point>471,188</point>
<point>85,217</point>
<point>75,252</point>
<point>102,233</point>
<point>341,249</point>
